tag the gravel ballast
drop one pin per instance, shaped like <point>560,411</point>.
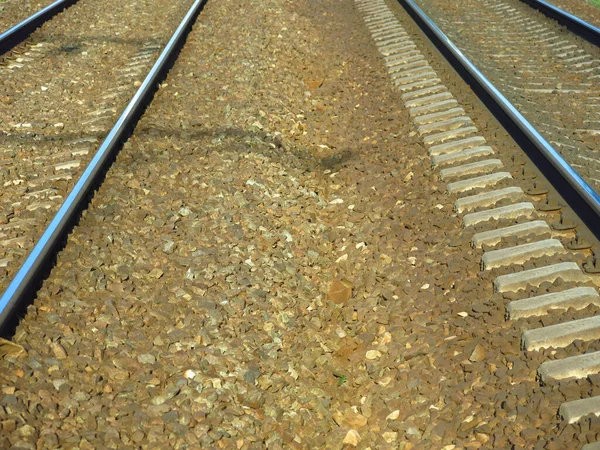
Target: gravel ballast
<point>273,263</point>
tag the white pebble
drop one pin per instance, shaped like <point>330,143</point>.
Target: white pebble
<point>373,354</point>
<point>393,415</point>
<point>344,257</point>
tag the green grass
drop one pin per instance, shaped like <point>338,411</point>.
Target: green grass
<point>341,378</point>
<point>595,3</point>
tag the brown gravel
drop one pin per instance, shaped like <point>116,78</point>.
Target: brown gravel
<point>272,263</point>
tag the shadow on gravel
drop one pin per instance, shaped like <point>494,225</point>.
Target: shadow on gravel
<point>67,44</point>
<point>64,41</point>
<point>277,147</point>
<point>338,160</point>
<point>332,162</point>
<point>31,138</point>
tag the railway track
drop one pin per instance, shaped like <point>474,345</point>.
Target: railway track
<point>582,10</point>
<point>232,235</point>
<point>572,22</point>
<point>53,118</point>
<point>439,118</point>
<point>46,247</point>
<point>564,71</point>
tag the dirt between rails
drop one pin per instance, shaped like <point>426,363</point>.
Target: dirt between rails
<point>272,263</point>
<point>582,9</point>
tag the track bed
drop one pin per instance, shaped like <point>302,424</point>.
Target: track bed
<point>273,262</point>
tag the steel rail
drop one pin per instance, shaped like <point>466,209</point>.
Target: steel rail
<point>573,23</point>
<point>19,32</point>
<point>570,185</point>
<point>27,280</point>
